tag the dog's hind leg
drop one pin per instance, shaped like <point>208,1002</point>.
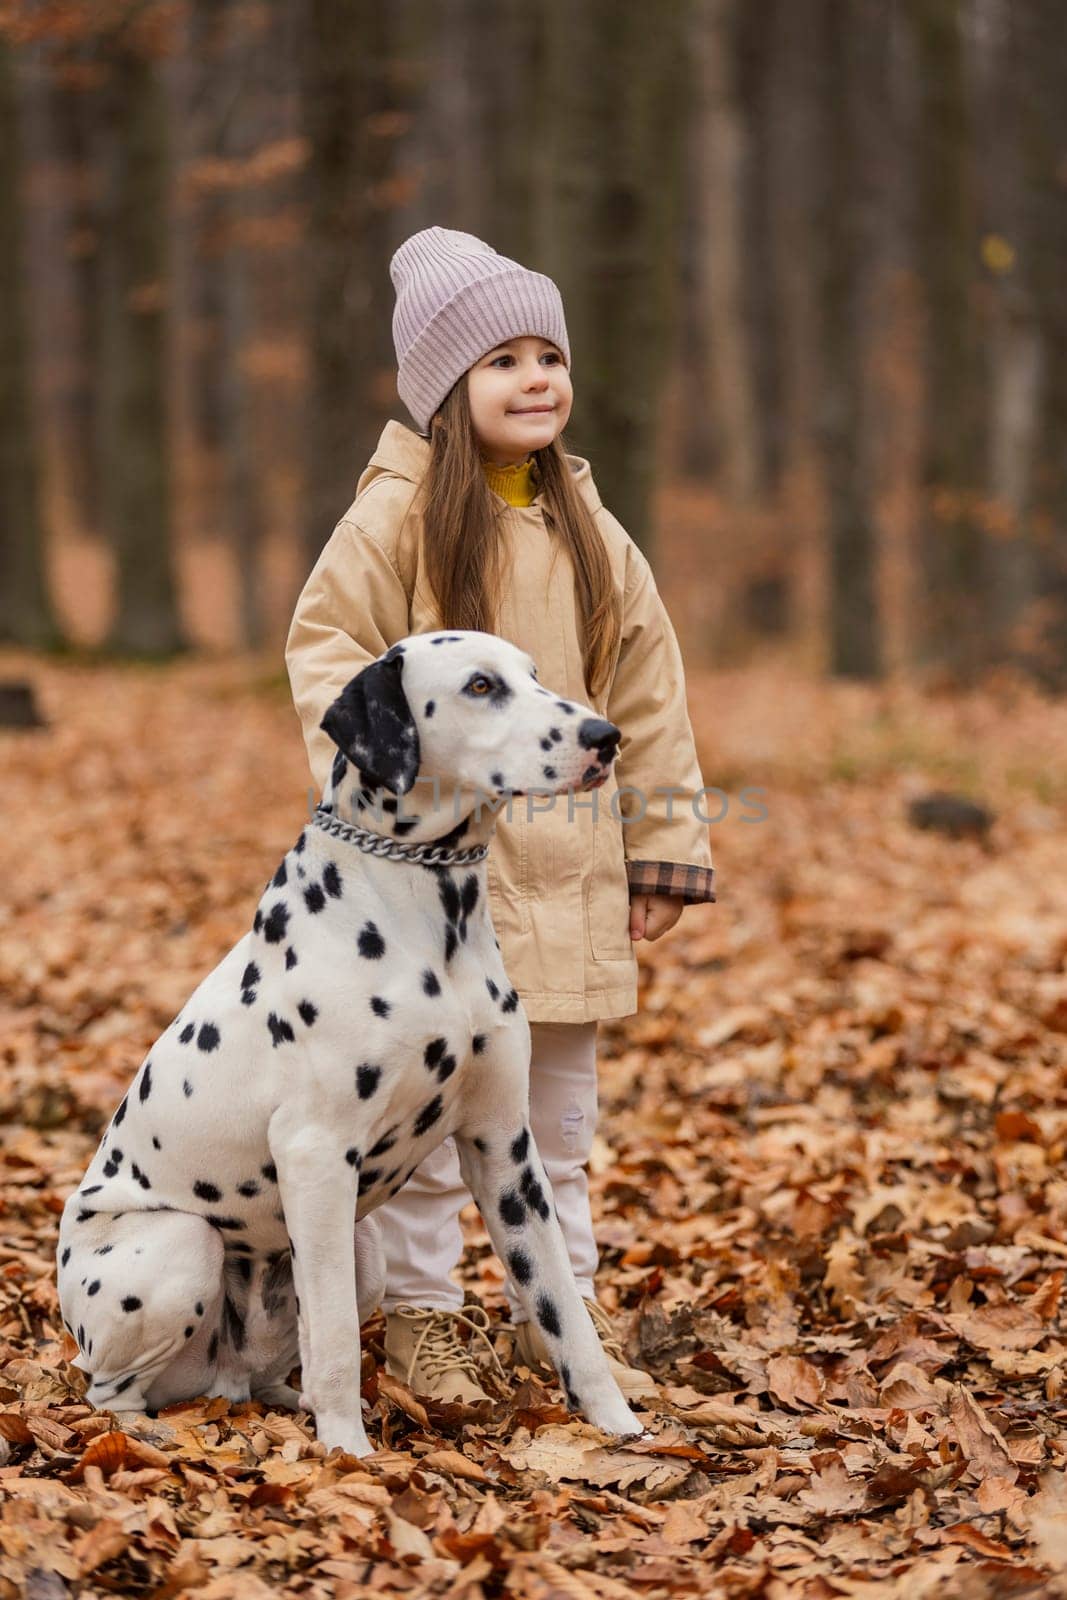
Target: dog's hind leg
<point>141,1293</point>
<point>502,1169</point>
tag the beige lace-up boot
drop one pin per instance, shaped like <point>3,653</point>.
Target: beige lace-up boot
<point>423,1349</point>
<point>529,1351</point>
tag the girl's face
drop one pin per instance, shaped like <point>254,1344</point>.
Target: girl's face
<point>520,398</point>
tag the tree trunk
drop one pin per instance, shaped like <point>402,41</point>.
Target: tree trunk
<point>133,349</point>
<point>854,54</point>
<point>727,372</point>
<point>353,102</point>
<point>618,100</point>
<point>25,612</point>
<point>953,553</point>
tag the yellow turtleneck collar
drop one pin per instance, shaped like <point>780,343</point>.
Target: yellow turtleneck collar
<point>514,484</point>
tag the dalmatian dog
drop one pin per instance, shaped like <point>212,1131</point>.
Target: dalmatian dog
<point>224,1231</point>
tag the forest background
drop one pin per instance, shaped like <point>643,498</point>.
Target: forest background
<point>812,254</point>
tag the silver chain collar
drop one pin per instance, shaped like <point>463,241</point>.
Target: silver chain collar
<point>376,844</point>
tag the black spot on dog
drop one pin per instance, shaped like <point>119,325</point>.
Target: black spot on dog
<point>546,744</point>
<point>469,894</point>
<point>290,959</point>
<point>510,1001</point>
<point>187,1033</point>
<point>65,1257</point>
<point>145,1087</point>
<point>94,1188</point>
<point>572,1399</point>
<point>480,1144</point>
<point>380,1007</point>
<point>428,1116</point>
<point>446,1069</point>
<point>300,843</point>
<point>548,1316</point>
<point>353,1157</point>
<point>226,1224</point>
<point>520,1266</point>
<point>494,992</point>
<point>428,709</point>
<point>187,1088</point>
<point>371,943</point>
<point>555,735</point>
<point>213,1348</point>
<point>189,1333</point>
<point>277,922</point>
<point>520,1146</point>
<point>563,706</point>
<point>548,772</point>
<point>257,921</point>
<point>497,780</point>
<point>478,1043</point>
<point>208,1038</point>
<point>131,1303</point>
<point>94,1287</point>
<point>369,1178</point>
<point>270,1172</point>
<point>331,881</point>
<point>339,768</point>
<point>314,898</point>
<point>250,976</point>
<point>83,1216</point>
<point>434,1052</point>
<point>367,1078</point>
<point>281,1031</point>
<point>249,1188</point>
<point>430,984</point>
<point>512,1210</point>
<point>281,877</point>
<point>386,1142</point>
<point>104,1250</point>
<point>199,1308</point>
<point>533,1193</point>
<point>120,1388</point>
<point>139,1176</point>
<point>308,1012</point>
<point>155,1143</point>
<point>207,1191</point>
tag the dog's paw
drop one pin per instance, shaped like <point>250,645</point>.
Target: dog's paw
<point>343,1433</point>
<point>614,1416</point>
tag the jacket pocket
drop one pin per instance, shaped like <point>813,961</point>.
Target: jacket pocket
<point>609,896</point>
<point>509,874</point>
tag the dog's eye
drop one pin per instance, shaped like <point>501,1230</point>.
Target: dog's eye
<point>480,685</point>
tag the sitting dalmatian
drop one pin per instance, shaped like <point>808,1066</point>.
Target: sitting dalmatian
<point>224,1230</point>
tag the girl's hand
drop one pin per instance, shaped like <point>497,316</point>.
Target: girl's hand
<point>653,914</point>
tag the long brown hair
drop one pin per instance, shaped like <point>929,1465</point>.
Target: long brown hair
<point>464,557</point>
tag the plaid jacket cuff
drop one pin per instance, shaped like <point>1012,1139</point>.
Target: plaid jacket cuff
<point>691,885</point>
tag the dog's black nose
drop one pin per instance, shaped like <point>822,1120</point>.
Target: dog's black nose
<point>600,735</point>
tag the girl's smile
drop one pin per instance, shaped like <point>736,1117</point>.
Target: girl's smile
<point>520,398</point>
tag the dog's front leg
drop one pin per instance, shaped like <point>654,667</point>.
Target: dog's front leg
<point>504,1173</point>
<point>319,1188</point>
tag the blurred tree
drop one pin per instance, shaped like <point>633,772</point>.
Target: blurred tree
<point>135,453</point>
<point>952,553</point>
<point>724,395</point>
<point>852,46</point>
<point>354,91</point>
<point>25,612</point>
<point>614,104</point>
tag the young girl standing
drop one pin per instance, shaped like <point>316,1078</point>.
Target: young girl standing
<point>480,520</point>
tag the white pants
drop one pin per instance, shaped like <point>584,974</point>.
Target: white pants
<point>420,1226</point>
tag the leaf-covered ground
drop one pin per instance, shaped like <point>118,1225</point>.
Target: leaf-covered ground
<point>829,1184</point>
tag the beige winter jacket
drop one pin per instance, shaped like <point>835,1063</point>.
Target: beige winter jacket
<point>559,880</point>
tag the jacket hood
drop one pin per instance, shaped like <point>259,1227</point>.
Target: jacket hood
<point>406,455</point>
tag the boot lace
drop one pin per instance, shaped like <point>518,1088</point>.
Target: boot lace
<point>439,1347</point>
<point>606,1333</point>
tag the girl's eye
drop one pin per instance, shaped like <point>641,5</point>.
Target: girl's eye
<point>552,355</point>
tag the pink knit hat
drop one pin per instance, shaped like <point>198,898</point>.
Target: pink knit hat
<point>456,299</point>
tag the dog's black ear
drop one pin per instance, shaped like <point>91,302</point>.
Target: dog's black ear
<point>371,723</point>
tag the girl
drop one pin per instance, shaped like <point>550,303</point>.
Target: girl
<point>481,520</point>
